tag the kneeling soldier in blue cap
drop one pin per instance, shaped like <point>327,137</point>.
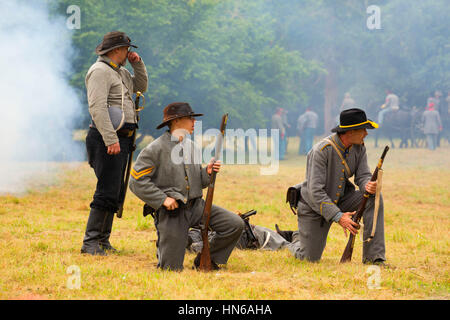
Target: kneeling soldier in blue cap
<point>328,196</point>
<point>169,179</point>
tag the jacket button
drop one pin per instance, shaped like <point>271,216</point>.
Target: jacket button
<point>338,194</point>
<point>335,201</point>
<point>187,187</point>
<point>339,187</point>
<point>343,170</point>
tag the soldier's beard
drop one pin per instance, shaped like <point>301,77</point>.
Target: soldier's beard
<point>123,62</point>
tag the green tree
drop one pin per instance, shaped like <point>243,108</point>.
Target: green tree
<point>220,56</point>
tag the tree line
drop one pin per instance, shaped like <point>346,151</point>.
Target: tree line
<point>250,57</point>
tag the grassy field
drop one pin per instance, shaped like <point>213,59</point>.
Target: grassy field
<point>41,234</point>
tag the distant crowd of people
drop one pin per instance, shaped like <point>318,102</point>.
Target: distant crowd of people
<point>431,120</point>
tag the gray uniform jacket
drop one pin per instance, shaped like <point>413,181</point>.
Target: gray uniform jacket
<point>431,122</point>
<point>167,168</point>
<point>326,177</point>
<point>308,119</point>
<point>278,123</point>
<point>104,88</point>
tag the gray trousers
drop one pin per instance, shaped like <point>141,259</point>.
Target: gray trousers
<point>313,229</point>
<point>173,225</point>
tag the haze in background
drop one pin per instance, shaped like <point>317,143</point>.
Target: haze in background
<point>38,107</point>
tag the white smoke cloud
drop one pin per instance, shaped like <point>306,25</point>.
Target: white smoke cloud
<point>38,107</point>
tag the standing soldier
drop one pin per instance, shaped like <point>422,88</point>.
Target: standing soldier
<point>109,93</point>
<point>348,102</point>
<point>432,125</point>
<point>328,196</point>
<point>447,113</point>
<point>169,178</point>
<point>306,126</point>
<point>278,123</point>
<point>436,100</point>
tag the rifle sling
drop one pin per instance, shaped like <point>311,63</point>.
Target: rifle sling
<point>340,156</point>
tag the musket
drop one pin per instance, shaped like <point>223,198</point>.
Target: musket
<point>126,177</point>
<point>347,255</point>
<point>247,214</point>
<point>248,228</point>
<point>205,256</point>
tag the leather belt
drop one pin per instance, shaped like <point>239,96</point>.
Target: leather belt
<point>189,204</point>
<point>125,133</point>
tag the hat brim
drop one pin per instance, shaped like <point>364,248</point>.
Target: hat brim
<point>99,51</point>
<point>166,122</point>
<point>369,124</point>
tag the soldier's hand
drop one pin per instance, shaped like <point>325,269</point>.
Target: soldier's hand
<point>371,187</point>
<point>213,165</point>
<point>133,56</point>
<point>170,203</point>
<point>114,149</point>
<point>347,223</point>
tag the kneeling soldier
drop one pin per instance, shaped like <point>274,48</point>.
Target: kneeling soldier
<point>168,179</point>
<point>328,196</point>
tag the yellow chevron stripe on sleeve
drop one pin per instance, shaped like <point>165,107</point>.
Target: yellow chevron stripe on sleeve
<point>137,175</point>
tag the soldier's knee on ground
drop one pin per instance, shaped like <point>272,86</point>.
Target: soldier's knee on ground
<point>238,224</point>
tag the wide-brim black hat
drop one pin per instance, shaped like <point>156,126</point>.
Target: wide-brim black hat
<point>353,119</point>
<point>112,40</point>
<point>177,110</point>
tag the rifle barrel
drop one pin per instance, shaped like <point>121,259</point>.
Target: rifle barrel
<point>248,214</point>
<point>205,256</point>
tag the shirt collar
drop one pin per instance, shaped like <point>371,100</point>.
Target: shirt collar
<point>339,144</point>
<point>109,62</point>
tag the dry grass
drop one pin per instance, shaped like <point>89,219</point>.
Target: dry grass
<point>41,234</point>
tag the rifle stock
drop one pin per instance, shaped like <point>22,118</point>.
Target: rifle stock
<point>348,251</point>
<point>205,256</point>
<point>126,178</point>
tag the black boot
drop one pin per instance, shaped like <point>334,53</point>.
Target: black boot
<point>106,232</point>
<point>95,225</point>
<point>285,234</point>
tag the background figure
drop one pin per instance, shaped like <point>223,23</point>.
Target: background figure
<point>431,126</point>
<point>347,103</point>
<point>286,124</point>
<point>448,103</point>
<point>306,127</point>
<point>390,104</point>
<point>278,123</point>
<point>436,100</point>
